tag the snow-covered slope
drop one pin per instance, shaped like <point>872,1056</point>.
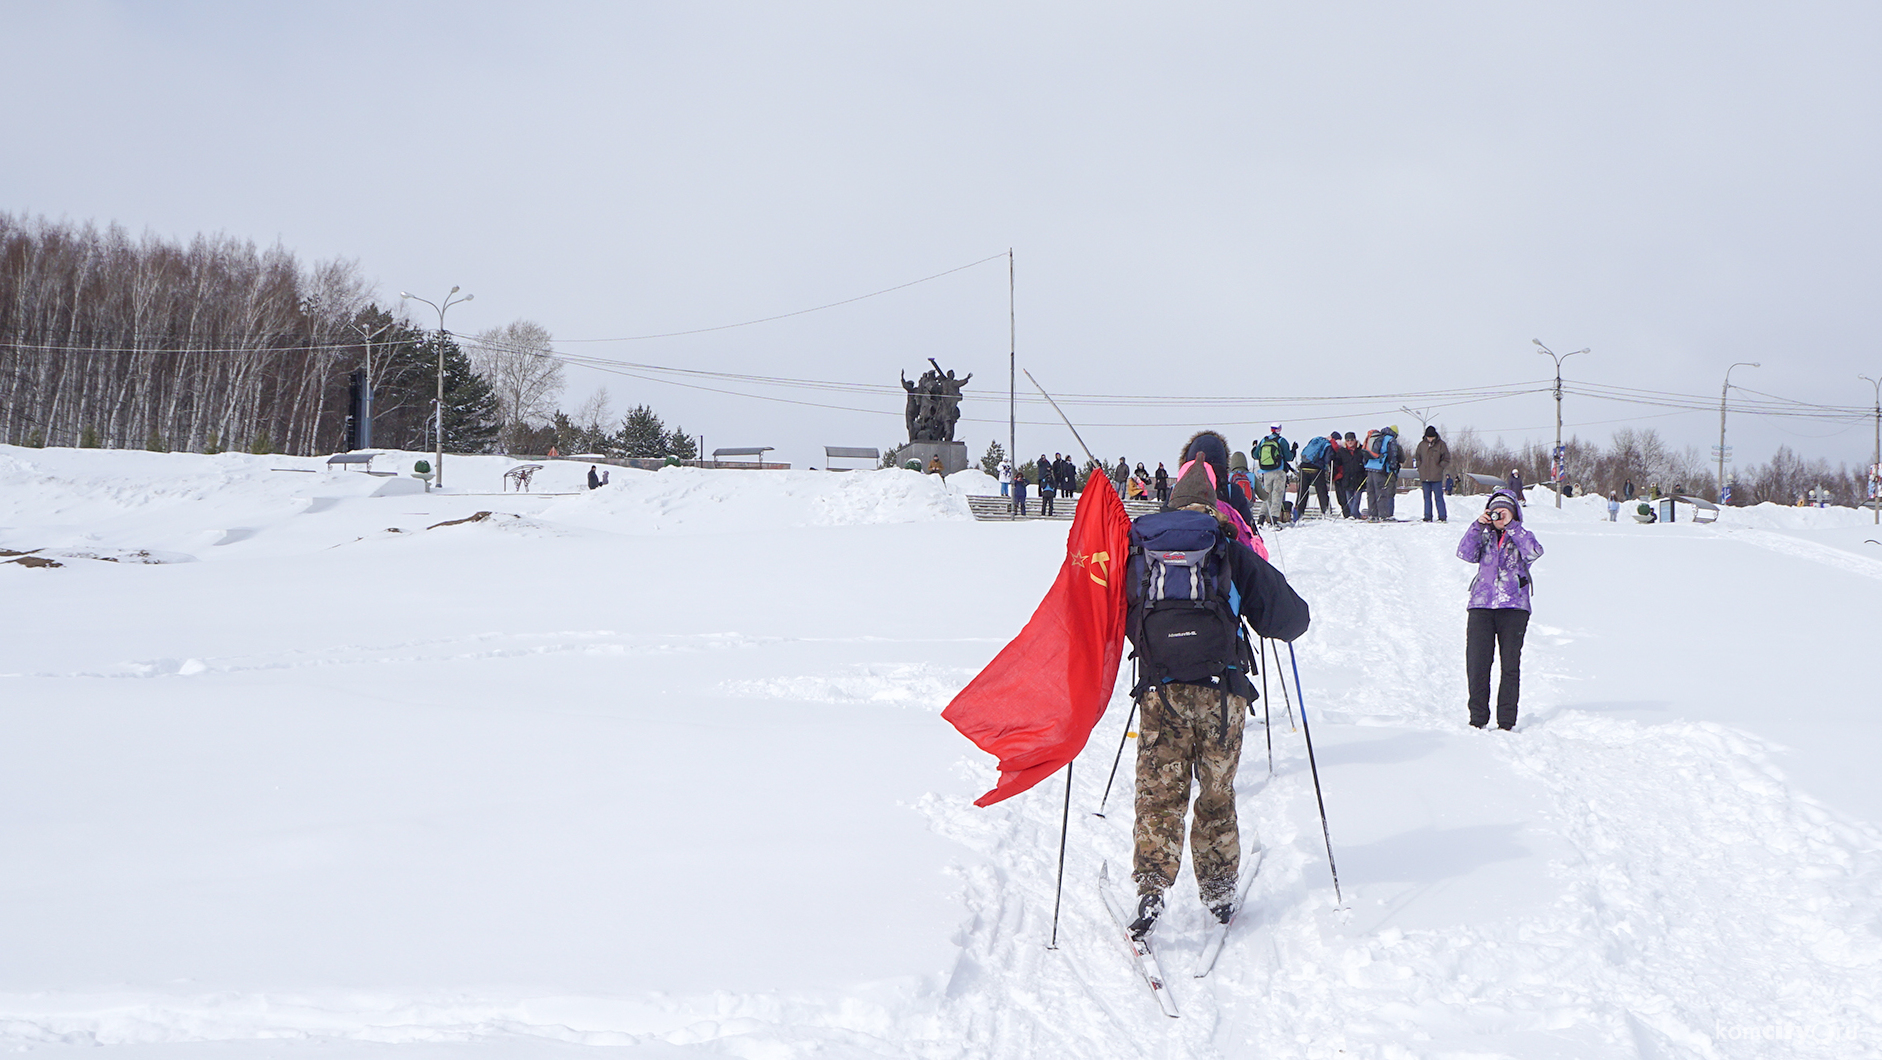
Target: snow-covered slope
<point>657,768</point>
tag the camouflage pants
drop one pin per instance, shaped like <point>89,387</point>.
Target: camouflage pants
<point>1178,739</point>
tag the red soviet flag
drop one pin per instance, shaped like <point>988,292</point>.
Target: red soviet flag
<point>1035,704</point>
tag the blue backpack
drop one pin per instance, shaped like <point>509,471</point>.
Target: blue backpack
<point>1315,451</point>
<point>1184,622</point>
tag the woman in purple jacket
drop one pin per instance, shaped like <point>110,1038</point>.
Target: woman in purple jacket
<point>1502,548</point>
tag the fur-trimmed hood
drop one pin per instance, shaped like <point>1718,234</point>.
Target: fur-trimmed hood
<point>1215,449</point>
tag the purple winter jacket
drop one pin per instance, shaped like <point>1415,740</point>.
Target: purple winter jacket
<point>1502,559</point>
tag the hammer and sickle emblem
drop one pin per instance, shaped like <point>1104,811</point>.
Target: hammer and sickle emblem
<point>1103,560</point>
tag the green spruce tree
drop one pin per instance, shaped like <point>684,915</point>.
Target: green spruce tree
<point>994,457</point>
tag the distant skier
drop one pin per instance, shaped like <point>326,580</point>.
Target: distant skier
<point>1316,470</point>
<point>1272,456</point>
<point>1502,548</point>
<point>1193,688</point>
<point>1382,460</point>
<point>594,478</point>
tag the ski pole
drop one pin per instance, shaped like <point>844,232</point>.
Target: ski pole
<point>1291,727</point>
<point>1324,833</point>
<point>1267,726</point>
<point>1065,825</point>
<point>1128,718</point>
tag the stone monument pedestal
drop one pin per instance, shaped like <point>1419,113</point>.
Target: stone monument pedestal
<point>953,455</point>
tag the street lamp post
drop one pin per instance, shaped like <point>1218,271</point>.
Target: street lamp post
<point>365,393</point>
<point>1876,466</point>
<point>1724,390</point>
<point>1555,456</point>
<point>448,303</point>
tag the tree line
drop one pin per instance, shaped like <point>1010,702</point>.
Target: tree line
<point>109,340</point>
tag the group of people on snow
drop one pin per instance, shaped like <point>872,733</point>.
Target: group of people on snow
<point>1199,581</point>
<point>1360,474</point>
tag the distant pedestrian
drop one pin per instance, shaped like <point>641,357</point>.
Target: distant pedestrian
<point>1503,549</point>
<point>1066,473</point>
<point>1352,474</point>
<point>1120,478</point>
<point>1163,484</point>
<point>1019,490</point>
<point>1006,479</point>
<point>594,478</point>
<point>1433,457</point>
<point>1516,483</point>
<point>1627,490</point>
<point>1614,507</point>
<point>1048,485</point>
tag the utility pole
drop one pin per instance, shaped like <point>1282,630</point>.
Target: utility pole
<point>1724,390</point>
<point>439,410</point>
<point>1555,456</point>
<point>1012,387</point>
<point>1875,468</point>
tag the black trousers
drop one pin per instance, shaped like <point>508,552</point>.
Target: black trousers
<point>1499,630</point>
<point>1314,479</point>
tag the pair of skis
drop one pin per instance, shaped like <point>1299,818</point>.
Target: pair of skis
<point>1144,959</point>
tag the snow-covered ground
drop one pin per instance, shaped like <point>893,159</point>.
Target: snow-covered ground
<point>300,762</point>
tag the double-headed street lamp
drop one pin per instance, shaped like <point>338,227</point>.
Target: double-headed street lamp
<point>1555,457</point>
<point>448,303</point>
<point>1724,390</point>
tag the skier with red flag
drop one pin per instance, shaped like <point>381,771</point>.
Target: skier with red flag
<point>1189,585</point>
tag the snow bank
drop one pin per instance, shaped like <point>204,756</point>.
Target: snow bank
<point>696,500</point>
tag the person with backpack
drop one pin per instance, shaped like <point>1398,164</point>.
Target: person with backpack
<point>1316,460</point>
<point>1240,482</point>
<point>1048,485</point>
<point>1433,457</point>
<point>1189,585</point>
<point>1383,457</point>
<point>1272,456</point>
<point>1503,550</point>
<point>1352,457</point>
<point>1163,484</point>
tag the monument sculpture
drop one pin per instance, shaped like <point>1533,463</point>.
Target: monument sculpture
<point>933,408</point>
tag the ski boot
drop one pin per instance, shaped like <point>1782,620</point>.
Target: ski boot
<point>1149,908</point>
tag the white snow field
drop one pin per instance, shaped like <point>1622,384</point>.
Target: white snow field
<point>289,769</point>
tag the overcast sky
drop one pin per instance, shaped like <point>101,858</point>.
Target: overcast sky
<point>1261,200</point>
